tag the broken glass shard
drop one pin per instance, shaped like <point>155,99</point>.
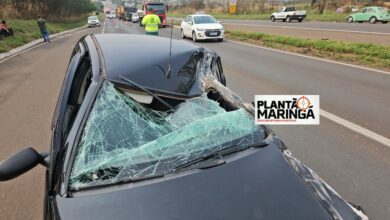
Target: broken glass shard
<point>125,140</point>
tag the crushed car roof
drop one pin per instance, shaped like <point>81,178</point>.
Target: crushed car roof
<point>145,60</point>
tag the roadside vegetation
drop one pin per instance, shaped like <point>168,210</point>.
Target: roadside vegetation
<point>311,16</point>
<point>359,53</point>
<point>61,15</point>
<point>317,10</point>
<point>27,30</point>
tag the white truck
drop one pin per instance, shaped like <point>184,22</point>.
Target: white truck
<point>288,14</point>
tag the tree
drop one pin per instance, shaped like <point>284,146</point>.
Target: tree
<point>322,5</point>
<point>197,4</point>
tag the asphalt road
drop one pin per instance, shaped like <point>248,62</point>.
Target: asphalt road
<point>377,28</point>
<point>356,166</point>
<point>338,31</point>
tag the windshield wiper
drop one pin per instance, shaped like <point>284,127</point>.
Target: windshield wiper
<point>147,91</point>
<point>218,155</point>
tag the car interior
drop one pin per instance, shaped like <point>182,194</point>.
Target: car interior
<point>78,90</point>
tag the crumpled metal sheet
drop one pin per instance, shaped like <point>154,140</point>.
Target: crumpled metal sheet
<point>125,140</point>
<point>328,197</point>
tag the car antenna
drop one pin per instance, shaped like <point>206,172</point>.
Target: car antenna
<point>168,72</point>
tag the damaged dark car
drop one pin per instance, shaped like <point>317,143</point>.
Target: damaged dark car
<point>159,136</point>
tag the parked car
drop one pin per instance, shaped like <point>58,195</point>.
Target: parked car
<point>93,21</point>
<point>134,17</point>
<point>370,14</point>
<point>288,14</point>
<point>354,9</point>
<point>201,27</point>
<point>174,143</point>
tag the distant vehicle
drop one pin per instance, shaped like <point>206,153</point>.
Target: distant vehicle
<point>112,15</point>
<point>129,12</point>
<point>354,9</point>
<point>120,12</point>
<point>159,9</point>
<point>288,14</point>
<point>93,21</point>
<point>201,27</point>
<point>134,140</point>
<point>134,17</point>
<point>370,14</point>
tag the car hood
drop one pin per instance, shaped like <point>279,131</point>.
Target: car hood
<point>209,26</point>
<point>255,184</point>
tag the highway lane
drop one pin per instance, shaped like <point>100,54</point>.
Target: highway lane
<point>29,87</point>
<point>377,28</point>
<point>356,166</point>
<point>357,33</point>
<point>348,92</point>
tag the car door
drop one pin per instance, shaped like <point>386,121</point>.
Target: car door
<point>361,15</point>
<point>190,23</point>
<point>184,25</point>
<point>77,80</point>
<point>280,14</point>
<point>286,12</point>
<point>370,13</point>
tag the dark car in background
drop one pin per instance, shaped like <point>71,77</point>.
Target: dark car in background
<point>152,136</point>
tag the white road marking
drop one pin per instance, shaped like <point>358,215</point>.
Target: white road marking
<point>310,57</point>
<point>356,128</point>
<point>104,26</point>
<point>313,29</point>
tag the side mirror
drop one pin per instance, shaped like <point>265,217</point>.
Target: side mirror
<point>218,22</point>
<point>21,162</point>
<point>190,23</point>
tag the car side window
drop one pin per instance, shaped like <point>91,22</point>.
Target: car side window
<point>80,84</point>
<point>370,10</point>
<point>364,10</point>
<point>187,19</point>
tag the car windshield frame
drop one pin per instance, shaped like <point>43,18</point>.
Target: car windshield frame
<point>210,18</point>
<point>76,146</point>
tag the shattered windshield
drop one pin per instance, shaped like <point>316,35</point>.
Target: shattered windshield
<point>125,140</point>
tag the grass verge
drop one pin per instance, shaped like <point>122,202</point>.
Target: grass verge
<point>27,30</point>
<point>311,16</point>
<point>371,55</point>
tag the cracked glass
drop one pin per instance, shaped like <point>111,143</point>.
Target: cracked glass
<point>124,140</point>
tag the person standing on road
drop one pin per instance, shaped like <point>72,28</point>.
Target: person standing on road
<point>42,27</point>
<point>151,22</point>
